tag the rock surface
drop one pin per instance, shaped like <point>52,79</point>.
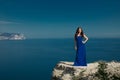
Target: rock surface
<point>94,71</point>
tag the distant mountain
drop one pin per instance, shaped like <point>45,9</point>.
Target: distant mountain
<point>12,36</point>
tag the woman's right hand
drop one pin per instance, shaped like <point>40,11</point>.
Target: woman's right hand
<point>75,47</point>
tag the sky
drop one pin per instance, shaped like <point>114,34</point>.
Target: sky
<point>60,18</point>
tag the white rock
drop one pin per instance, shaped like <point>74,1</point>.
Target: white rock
<point>65,71</point>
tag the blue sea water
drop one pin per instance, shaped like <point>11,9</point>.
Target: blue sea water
<point>34,59</point>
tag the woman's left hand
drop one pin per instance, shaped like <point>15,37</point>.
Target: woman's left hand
<point>83,42</point>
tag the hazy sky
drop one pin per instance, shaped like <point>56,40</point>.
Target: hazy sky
<point>60,18</point>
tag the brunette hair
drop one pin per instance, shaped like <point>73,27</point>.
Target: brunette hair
<point>77,31</point>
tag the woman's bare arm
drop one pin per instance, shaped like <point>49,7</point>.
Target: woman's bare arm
<point>75,44</point>
<point>86,39</point>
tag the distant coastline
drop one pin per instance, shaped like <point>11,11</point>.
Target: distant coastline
<point>73,38</point>
<point>12,36</point>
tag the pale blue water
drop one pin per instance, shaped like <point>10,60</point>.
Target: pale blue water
<point>35,59</point>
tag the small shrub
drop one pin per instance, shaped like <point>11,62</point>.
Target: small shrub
<point>102,73</point>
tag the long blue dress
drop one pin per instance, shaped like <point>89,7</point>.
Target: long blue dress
<point>80,59</point>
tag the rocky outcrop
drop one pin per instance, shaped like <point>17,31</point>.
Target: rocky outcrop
<point>11,36</point>
<point>100,70</point>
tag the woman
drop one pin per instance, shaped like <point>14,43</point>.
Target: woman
<point>80,40</point>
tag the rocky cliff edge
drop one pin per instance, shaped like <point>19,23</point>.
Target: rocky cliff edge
<point>100,70</point>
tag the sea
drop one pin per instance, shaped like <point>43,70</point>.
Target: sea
<point>34,59</point>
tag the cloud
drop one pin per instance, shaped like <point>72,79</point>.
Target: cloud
<point>8,22</point>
